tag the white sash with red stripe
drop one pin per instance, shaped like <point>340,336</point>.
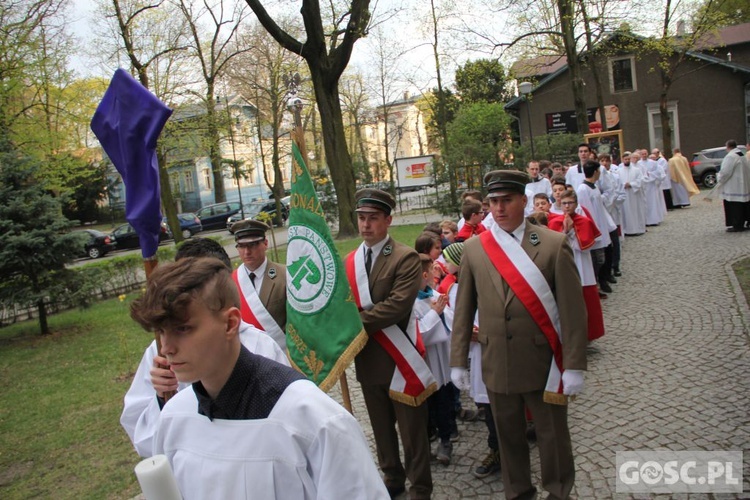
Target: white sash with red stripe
<point>252,309</point>
<point>412,381</point>
<point>532,289</point>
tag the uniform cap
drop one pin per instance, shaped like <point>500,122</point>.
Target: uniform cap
<point>372,200</point>
<point>249,231</point>
<point>499,181</point>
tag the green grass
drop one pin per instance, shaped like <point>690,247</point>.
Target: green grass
<point>742,271</point>
<point>61,399</point>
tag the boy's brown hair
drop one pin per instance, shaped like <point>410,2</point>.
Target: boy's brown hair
<point>569,193</point>
<point>174,286</point>
<point>450,225</point>
<point>541,196</point>
<point>471,194</point>
<point>425,241</point>
<point>469,207</point>
<point>432,227</point>
<point>426,262</point>
<point>557,180</point>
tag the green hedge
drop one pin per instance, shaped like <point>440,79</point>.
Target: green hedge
<point>83,286</point>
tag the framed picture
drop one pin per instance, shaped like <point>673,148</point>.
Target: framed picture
<point>609,142</point>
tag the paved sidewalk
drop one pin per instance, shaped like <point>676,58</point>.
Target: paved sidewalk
<point>671,373</point>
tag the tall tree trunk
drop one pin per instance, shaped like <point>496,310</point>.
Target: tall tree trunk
<point>337,153</point>
<point>167,199</point>
<point>565,9</point>
<point>442,111</point>
<point>214,148</point>
<point>666,127</point>
<point>593,67</point>
<point>42,309</point>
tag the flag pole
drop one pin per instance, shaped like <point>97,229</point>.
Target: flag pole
<point>127,122</point>
<point>298,136</point>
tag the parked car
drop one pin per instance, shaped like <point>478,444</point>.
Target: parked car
<point>215,216</point>
<point>126,237</point>
<point>252,210</point>
<point>189,224</point>
<point>706,164</point>
<point>98,244</point>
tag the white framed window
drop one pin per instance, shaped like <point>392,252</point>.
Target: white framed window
<point>174,180</point>
<point>189,183</point>
<point>207,177</point>
<point>655,136</point>
<point>622,74</point>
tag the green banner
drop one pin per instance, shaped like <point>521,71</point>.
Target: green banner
<point>324,331</point>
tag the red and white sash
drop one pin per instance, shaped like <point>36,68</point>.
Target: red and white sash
<point>252,309</point>
<point>532,289</point>
<point>412,381</point>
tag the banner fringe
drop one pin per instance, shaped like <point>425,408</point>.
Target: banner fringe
<point>414,400</point>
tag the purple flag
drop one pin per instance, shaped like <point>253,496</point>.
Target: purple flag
<point>127,123</point>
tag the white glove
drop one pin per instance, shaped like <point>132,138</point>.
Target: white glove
<point>572,382</point>
<point>460,378</point>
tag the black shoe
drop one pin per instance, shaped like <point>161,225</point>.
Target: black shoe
<point>617,273</point>
<point>603,296</point>
<point>490,465</point>
<point>468,415</point>
<point>611,279</point>
<point>394,491</point>
<point>444,452</point>
<point>735,229</point>
<point>605,287</point>
<point>481,414</point>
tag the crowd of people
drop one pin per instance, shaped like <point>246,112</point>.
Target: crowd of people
<point>502,303</point>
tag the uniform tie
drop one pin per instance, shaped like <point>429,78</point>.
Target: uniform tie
<point>368,261</point>
<point>252,279</point>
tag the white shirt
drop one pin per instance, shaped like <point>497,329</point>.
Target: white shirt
<point>259,273</point>
<point>141,408</point>
<point>376,249</point>
<point>307,448</point>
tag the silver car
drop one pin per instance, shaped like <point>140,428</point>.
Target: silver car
<point>706,164</point>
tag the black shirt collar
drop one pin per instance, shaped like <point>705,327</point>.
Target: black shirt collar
<point>226,403</point>
<point>590,184</point>
<point>252,390</point>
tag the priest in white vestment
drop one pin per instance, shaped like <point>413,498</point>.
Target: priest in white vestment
<point>633,215</point>
<point>652,178</point>
<point>733,182</point>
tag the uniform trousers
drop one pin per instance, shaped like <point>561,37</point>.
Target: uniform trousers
<point>553,441</point>
<point>385,413</point>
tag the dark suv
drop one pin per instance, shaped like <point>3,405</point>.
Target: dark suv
<point>215,216</point>
<point>706,163</point>
<point>253,210</point>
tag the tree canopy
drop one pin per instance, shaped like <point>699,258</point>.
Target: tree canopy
<point>35,242</point>
<point>483,80</point>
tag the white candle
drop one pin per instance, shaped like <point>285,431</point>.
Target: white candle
<point>156,479</point>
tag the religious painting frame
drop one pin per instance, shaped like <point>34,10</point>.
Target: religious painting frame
<point>609,142</point>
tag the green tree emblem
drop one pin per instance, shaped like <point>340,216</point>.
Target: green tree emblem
<point>304,269</point>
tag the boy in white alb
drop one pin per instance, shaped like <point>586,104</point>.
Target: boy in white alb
<point>590,199</point>
<point>429,311</point>
<point>247,427</point>
<point>145,398</point>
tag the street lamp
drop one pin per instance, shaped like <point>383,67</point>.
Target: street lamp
<point>525,89</point>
